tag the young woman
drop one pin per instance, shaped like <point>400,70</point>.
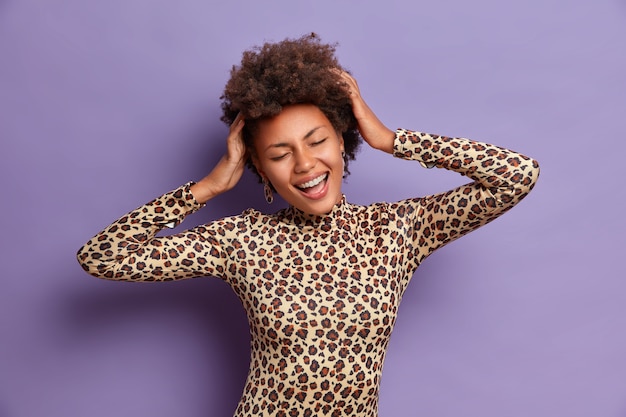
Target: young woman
<point>321,280</point>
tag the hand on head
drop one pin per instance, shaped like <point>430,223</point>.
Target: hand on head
<point>373,131</point>
<point>228,170</point>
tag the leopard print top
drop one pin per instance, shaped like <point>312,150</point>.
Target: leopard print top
<point>321,293</point>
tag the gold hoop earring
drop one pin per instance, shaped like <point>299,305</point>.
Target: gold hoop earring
<point>267,191</point>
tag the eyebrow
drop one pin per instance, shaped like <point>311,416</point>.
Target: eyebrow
<point>281,144</point>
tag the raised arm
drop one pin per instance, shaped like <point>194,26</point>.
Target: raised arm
<point>129,250</point>
<point>501,179</point>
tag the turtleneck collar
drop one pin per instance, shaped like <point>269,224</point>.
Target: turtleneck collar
<point>338,217</point>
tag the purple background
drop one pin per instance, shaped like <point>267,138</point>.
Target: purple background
<point>106,104</point>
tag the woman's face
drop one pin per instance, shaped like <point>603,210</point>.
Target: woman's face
<point>299,152</point>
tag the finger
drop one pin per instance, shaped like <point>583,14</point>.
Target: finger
<point>237,120</point>
<point>351,85</point>
<point>348,78</point>
<point>344,77</point>
<point>237,123</point>
<point>235,142</point>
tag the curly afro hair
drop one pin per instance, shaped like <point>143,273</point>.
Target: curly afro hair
<point>293,71</point>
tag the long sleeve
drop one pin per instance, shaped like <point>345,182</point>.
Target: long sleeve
<point>501,179</point>
<point>128,249</point>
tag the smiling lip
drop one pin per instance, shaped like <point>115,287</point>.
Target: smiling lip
<point>312,183</point>
<point>316,188</point>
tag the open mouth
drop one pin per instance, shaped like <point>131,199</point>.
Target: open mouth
<point>314,186</point>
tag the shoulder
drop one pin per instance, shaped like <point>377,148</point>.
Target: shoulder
<point>235,225</point>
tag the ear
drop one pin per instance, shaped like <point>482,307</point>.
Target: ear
<point>341,145</point>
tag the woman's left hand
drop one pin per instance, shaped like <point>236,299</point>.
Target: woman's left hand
<point>375,133</point>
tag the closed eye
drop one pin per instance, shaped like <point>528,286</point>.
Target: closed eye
<point>279,157</point>
<point>319,142</point>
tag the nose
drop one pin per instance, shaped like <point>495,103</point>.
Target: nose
<point>305,161</point>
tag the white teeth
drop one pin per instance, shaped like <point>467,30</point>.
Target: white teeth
<point>313,182</point>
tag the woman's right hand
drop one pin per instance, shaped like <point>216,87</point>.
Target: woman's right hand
<point>228,170</point>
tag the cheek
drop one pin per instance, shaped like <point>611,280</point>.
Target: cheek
<point>334,156</point>
<point>277,174</point>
